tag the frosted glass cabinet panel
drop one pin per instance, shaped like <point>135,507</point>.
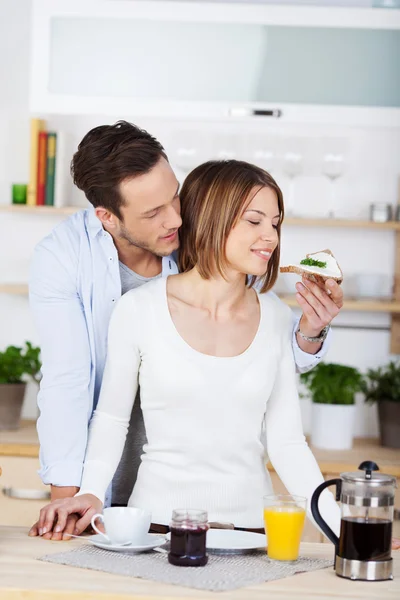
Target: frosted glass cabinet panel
<point>169,60</point>
<point>156,59</point>
<point>219,60</point>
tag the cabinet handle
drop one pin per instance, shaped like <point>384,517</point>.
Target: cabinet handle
<point>22,494</point>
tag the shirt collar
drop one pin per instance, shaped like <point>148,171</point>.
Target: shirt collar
<point>94,224</point>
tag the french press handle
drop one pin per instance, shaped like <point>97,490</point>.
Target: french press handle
<point>317,515</point>
<point>368,466</point>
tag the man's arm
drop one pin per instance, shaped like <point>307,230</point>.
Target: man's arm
<point>64,398</point>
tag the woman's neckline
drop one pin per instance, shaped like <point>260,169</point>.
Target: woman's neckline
<point>186,346</point>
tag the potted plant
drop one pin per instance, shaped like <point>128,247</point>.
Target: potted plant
<point>16,364</point>
<point>382,385</point>
<point>332,388</point>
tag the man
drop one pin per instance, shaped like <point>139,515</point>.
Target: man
<point>79,271</point>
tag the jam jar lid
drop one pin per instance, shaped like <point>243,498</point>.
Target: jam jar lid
<point>189,518</point>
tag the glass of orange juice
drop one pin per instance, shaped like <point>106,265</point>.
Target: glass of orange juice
<point>284,517</point>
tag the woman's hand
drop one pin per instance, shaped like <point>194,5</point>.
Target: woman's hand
<point>395,543</point>
<point>319,307</point>
<point>56,515</point>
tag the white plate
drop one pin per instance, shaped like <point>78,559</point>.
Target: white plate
<point>150,542</point>
<point>232,541</point>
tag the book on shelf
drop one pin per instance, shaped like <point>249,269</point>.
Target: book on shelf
<point>50,167</point>
<point>63,179</point>
<point>42,167</point>
<point>37,125</point>
<point>50,182</point>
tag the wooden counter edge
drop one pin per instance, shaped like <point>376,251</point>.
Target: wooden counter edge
<point>12,449</point>
<point>24,594</point>
<point>32,451</point>
<point>341,467</point>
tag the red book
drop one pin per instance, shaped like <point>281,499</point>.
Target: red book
<point>42,166</point>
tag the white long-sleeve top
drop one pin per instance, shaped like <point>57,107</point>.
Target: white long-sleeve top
<point>208,419</point>
<point>74,285</point>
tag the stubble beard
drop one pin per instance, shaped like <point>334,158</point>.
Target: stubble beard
<point>127,237</point>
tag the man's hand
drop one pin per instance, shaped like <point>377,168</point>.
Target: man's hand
<point>320,304</point>
<point>67,516</point>
<point>395,544</point>
<point>58,493</point>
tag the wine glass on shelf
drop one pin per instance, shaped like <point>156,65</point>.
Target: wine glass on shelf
<point>226,146</point>
<point>292,165</point>
<point>261,150</point>
<point>186,149</point>
<point>333,163</point>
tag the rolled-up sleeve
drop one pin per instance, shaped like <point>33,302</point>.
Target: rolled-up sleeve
<point>304,361</point>
<point>64,398</point>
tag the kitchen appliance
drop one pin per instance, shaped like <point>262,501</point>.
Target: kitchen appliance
<point>363,550</point>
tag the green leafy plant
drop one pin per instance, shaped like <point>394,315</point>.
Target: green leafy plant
<point>382,383</point>
<point>311,262</point>
<point>330,383</point>
<point>16,363</point>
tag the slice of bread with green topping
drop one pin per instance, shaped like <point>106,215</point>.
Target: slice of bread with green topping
<point>318,266</point>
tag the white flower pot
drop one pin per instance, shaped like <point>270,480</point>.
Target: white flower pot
<point>332,426</point>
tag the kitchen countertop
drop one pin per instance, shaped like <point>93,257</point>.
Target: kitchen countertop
<point>23,577</point>
<point>24,442</point>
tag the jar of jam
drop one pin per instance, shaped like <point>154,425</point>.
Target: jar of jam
<point>188,538</point>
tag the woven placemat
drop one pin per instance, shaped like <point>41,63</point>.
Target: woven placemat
<point>220,574</point>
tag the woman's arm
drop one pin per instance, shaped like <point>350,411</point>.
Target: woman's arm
<point>110,421</point>
<point>108,428</point>
<point>285,442</point>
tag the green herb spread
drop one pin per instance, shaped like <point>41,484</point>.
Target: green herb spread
<point>310,262</point>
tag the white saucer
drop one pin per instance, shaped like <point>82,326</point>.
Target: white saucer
<point>230,541</point>
<point>150,542</point>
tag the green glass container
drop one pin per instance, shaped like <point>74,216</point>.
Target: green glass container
<point>19,193</point>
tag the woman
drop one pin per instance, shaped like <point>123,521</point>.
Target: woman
<point>214,362</point>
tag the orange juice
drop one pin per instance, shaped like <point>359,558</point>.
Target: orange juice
<point>284,526</point>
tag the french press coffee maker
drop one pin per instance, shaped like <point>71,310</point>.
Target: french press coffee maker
<point>363,550</point>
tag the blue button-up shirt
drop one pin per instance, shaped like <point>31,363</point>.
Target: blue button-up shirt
<point>74,285</point>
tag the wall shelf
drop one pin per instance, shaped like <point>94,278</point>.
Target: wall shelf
<point>39,210</point>
<point>18,289</point>
<point>291,221</point>
<point>348,223</point>
<point>361,305</point>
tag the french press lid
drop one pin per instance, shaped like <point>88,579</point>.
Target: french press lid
<point>366,487</point>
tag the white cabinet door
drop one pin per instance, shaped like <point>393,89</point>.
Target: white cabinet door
<point>193,59</point>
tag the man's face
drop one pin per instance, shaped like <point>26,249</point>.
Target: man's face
<point>151,211</point>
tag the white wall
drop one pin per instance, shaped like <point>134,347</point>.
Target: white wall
<point>372,169</point>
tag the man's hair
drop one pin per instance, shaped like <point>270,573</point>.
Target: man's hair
<point>108,155</point>
<point>213,197</point>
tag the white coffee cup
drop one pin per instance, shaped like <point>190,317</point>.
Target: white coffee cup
<point>123,524</point>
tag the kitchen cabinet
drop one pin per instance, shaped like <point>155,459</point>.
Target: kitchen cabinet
<point>22,493</point>
<point>212,60</point>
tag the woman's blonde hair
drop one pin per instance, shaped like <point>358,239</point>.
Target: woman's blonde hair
<point>213,197</point>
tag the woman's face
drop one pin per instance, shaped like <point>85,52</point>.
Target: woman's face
<point>252,241</point>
